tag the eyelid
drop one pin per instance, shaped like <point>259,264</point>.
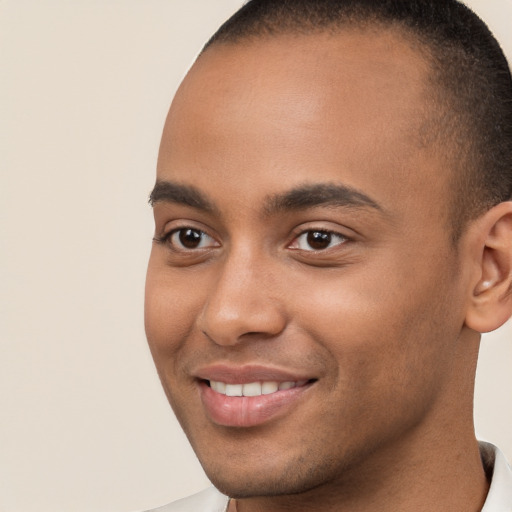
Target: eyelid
<point>167,234</point>
<point>324,227</point>
<point>341,239</point>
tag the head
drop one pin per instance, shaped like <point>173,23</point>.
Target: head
<point>332,211</point>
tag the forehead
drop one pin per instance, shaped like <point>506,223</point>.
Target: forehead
<point>347,106</point>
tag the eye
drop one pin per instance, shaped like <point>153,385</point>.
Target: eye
<point>186,239</point>
<point>317,240</point>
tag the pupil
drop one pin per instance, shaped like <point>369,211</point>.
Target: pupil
<point>319,239</point>
<point>190,238</point>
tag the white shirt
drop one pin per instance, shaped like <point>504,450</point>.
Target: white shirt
<point>499,498</point>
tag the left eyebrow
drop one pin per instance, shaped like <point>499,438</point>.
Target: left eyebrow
<point>320,194</point>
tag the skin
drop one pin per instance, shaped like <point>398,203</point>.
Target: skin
<point>384,318</point>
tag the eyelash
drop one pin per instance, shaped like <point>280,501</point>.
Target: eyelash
<point>167,239</point>
<point>321,235</point>
<point>325,235</point>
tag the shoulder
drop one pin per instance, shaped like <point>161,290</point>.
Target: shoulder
<point>499,498</point>
<point>209,500</point>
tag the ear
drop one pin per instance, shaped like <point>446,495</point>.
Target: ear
<point>491,300</point>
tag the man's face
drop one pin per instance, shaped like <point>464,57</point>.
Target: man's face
<point>304,257</point>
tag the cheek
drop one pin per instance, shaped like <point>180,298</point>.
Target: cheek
<point>385,332</point>
<point>169,312</point>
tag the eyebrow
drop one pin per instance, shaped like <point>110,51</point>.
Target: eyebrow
<point>170,192</point>
<point>299,198</point>
<point>320,194</point>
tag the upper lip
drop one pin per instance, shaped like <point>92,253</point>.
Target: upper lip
<point>248,373</point>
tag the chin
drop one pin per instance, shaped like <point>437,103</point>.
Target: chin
<point>288,478</point>
<point>252,488</point>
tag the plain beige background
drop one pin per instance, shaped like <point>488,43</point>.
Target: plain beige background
<point>85,86</point>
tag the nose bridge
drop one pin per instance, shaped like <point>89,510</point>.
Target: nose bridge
<point>242,299</point>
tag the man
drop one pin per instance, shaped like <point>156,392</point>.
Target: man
<point>333,233</point>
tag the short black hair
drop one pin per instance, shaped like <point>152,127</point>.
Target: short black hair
<point>473,84</point>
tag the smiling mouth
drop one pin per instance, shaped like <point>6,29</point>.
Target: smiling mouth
<point>252,389</point>
<point>250,402</point>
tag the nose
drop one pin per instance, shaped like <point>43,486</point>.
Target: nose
<point>242,301</point>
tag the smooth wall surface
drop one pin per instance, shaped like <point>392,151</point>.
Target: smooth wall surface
<point>84,89</point>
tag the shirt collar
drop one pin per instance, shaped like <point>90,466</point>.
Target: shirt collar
<point>499,498</point>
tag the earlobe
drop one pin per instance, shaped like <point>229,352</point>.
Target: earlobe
<point>491,300</point>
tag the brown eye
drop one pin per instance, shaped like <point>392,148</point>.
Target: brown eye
<point>190,239</point>
<point>317,240</point>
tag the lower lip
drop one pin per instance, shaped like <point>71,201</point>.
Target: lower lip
<point>248,411</point>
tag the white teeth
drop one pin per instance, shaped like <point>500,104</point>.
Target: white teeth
<point>269,387</point>
<point>234,390</point>
<point>220,387</point>
<point>254,388</point>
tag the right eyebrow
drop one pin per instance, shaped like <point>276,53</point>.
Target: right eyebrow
<point>171,192</point>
